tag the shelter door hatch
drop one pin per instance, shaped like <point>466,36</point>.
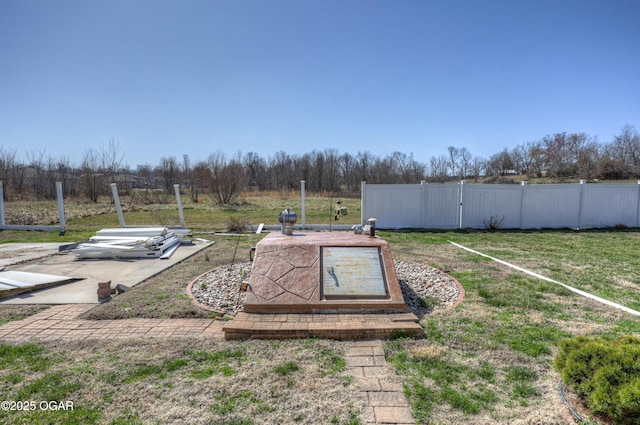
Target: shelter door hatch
<point>352,273</point>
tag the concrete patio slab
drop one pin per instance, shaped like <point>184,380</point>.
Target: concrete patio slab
<point>128,272</point>
<point>16,253</point>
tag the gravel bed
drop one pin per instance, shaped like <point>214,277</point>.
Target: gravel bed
<point>424,288</point>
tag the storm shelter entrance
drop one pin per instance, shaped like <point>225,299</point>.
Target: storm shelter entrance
<point>352,273</point>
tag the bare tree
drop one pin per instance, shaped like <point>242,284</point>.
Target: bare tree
<point>464,162</point>
<point>454,155</point>
<point>331,176</point>
<point>7,163</point>
<point>111,158</point>
<point>625,148</point>
<point>407,169</point>
<point>587,159</point>
<point>256,168</point>
<point>477,167</point>
<point>37,173</point>
<point>499,164</point>
<point>91,176</point>
<point>227,179</point>
<point>281,171</point>
<point>438,166</point>
<point>169,172</point>
<point>364,162</point>
<point>348,170</point>
<point>187,178</point>
<point>523,156</point>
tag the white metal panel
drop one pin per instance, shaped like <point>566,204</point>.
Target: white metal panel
<point>19,279</point>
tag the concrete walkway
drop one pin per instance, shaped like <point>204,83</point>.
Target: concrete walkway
<point>381,391</point>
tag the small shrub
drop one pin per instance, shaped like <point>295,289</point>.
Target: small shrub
<point>494,222</point>
<point>606,373</point>
<point>429,303</point>
<point>237,225</point>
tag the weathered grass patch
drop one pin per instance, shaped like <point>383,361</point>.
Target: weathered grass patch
<point>153,381</point>
<point>491,357</point>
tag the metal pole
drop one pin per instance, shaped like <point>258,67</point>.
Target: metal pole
<point>116,200</point>
<point>63,226</point>
<point>176,187</point>
<point>302,205</point>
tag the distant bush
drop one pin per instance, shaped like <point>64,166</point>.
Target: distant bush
<point>606,373</point>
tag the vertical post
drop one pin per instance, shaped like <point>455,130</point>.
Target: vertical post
<point>460,206</point>
<point>116,201</point>
<point>302,205</point>
<point>363,187</point>
<point>176,187</point>
<point>582,182</point>
<point>423,191</point>
<point>1,203</point>
<point>63,225</point>
<point>637,206</point>
<point>522,195</point>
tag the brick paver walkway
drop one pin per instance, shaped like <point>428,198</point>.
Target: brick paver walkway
<point>61,322</point>
<point>380,389</point>
<point>381,392</point>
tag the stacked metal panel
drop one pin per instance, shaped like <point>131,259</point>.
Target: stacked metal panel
<point>130,242</point>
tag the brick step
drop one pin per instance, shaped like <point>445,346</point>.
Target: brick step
<point>347,326</point>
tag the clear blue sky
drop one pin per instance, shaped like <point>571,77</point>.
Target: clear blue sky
<point>167,78</point>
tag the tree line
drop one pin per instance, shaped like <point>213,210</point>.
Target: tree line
<point>560,155</point>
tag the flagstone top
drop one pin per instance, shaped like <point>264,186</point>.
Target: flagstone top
<point>285,276</point>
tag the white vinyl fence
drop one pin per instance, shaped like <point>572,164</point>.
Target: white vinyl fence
<point>477,206</point>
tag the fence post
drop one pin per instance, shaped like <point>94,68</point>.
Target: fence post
<point>1,204</point>
<point>524,184</point>
<point>176,188</point>
<point>303,212</point>
<point>423,201</point>
<point>363,189</point>
<point>460,205</point>
<point>637,207</point>
<point>116,201</point>
<point>63,225</point>
<point>582,182</point>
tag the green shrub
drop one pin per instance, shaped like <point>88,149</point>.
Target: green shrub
<point>606,373</point>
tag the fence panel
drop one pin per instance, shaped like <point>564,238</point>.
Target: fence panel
<point>484,204</point>
<point>446,206</point>
<point>394,205</point>
<point>440,207</point>
<point>609,205</point>
<point>550,206</point>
